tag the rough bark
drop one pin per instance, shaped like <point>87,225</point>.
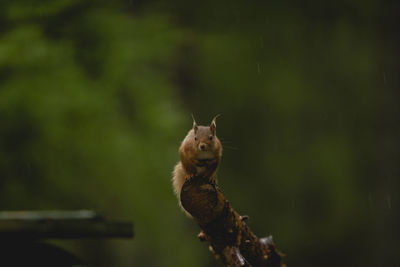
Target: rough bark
<point>231,240</point>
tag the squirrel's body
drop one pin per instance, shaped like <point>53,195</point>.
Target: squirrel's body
<point>200,154</point>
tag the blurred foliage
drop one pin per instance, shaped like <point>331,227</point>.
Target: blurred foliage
<point>96,97</point>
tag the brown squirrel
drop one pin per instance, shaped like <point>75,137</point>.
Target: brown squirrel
<point>200,154</point>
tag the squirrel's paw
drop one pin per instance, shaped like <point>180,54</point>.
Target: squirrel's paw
<point>189,176</point>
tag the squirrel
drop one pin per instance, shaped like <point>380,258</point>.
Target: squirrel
<point>200,155</point>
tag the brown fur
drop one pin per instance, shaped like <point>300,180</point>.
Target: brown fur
<point>200,154</point>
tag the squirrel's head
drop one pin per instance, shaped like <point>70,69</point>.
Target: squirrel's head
<point>205,138</point>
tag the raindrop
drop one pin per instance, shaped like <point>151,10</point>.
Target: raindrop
<point>370,200</point>
<point>389,202</point>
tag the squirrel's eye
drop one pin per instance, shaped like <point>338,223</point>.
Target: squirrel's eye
<point>195,138</point>
<point>211,137</point>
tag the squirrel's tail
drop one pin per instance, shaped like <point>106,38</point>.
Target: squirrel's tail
<point>178,179</point>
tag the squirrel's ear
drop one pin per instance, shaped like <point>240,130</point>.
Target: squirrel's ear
<point>213,125</point>
<point>195,127</point>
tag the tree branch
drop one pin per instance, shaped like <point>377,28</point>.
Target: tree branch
<point>231,240</point>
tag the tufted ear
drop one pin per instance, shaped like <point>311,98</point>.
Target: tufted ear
<point>195,127</point>
<point>213,125</point>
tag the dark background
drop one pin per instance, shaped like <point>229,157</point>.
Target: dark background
<point>95,98</point>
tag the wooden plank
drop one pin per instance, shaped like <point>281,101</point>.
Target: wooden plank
<point>50,214</point>
<point>60,224</point>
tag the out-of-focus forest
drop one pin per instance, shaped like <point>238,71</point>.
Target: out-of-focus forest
<point>96,96</point>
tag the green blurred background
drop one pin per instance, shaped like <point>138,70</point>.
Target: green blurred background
<point>95,97</point>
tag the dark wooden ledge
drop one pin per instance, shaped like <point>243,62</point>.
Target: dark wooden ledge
<point>60,224</point>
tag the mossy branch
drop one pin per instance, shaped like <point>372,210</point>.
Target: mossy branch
<point>231,239</point>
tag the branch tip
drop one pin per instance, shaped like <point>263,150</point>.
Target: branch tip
<point>202,236</point>
<point>267,240</point>
<point>244,217</point>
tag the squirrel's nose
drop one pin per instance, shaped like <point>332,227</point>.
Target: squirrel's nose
<point>202,146</point>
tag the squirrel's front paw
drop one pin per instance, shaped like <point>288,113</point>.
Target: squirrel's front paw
<point>190,176</point>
